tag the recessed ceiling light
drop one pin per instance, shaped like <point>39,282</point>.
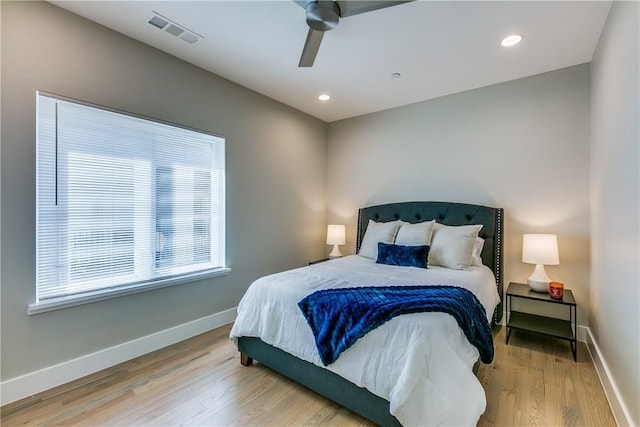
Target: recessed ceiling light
<point>396,75</point>
<point>324,97</point>
<point>511,40</point>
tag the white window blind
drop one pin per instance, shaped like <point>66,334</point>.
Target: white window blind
<point>123,202</point>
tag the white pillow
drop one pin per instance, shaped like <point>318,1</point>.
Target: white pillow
<point>415,234</point>
<point>476,259</point>
<point>451,246</point>
<point>377,232</point>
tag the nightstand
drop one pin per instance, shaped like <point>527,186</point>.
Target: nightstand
<point>318,260</point>
<point>558,328</point>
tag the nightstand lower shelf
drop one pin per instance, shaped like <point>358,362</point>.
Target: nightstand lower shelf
<point>540,324</point>
<point>549,326</point>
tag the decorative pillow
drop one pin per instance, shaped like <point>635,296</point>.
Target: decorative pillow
<point>377,232</point>
<point>451,246</point>
<point>476,259</point>
<point>406,256</point>
<point>415,234</point>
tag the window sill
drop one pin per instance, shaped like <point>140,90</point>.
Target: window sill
<point>72,301</point>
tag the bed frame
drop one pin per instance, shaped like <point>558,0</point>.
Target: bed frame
<point>333,386</point>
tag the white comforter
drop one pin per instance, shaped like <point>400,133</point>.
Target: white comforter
<point>421,363</point>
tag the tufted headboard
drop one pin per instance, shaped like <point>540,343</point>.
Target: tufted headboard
<point>447,213</point>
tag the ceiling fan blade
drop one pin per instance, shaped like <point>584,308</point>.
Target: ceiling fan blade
<point>311,46</point>
<point>301,3</point>
<point>350,7</point>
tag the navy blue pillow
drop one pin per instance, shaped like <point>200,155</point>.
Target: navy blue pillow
<point>406,256</point>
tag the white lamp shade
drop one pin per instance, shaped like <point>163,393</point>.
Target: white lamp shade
<point>336,234</point>
<point>540,249</point>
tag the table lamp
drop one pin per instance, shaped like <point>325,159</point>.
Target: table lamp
<point>541,250</point>
<point>335,237</point>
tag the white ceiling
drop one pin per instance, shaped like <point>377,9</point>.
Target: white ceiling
<point>439,47</point>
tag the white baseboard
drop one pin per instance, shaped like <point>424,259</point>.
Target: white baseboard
<point>52,376</point>
<point>582,333</point>
<point>619,409</point>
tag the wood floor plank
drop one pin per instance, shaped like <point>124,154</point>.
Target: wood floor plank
<point>533,381</point>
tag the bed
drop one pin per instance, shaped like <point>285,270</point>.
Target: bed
<point>424,375</point>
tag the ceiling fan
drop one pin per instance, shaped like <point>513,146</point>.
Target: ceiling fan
<point>323,15</point>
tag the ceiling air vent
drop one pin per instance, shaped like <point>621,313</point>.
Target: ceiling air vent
<point>189,37</point>
<point>159,22</point>
<point>173,28</point>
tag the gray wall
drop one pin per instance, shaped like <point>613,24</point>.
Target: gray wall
<point>615,201</point>
<point>521,145</point>
<point>276,180</point>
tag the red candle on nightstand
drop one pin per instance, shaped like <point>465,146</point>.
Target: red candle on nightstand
<point>556,290</point>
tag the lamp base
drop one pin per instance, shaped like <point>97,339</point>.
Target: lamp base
<point>335,252</point>
<point>538,286</point>
<point>539,281</point>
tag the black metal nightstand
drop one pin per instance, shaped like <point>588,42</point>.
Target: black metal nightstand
<point>559,328</point>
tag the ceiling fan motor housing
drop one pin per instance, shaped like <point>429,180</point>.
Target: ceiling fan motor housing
<point>322,15</point>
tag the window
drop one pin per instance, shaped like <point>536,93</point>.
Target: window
<point>124,204</point>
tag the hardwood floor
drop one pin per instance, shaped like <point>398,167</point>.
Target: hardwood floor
<point>534,381</point>
<point>200,382</point>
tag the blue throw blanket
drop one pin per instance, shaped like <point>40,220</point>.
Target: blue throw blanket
<point>339,317</point>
